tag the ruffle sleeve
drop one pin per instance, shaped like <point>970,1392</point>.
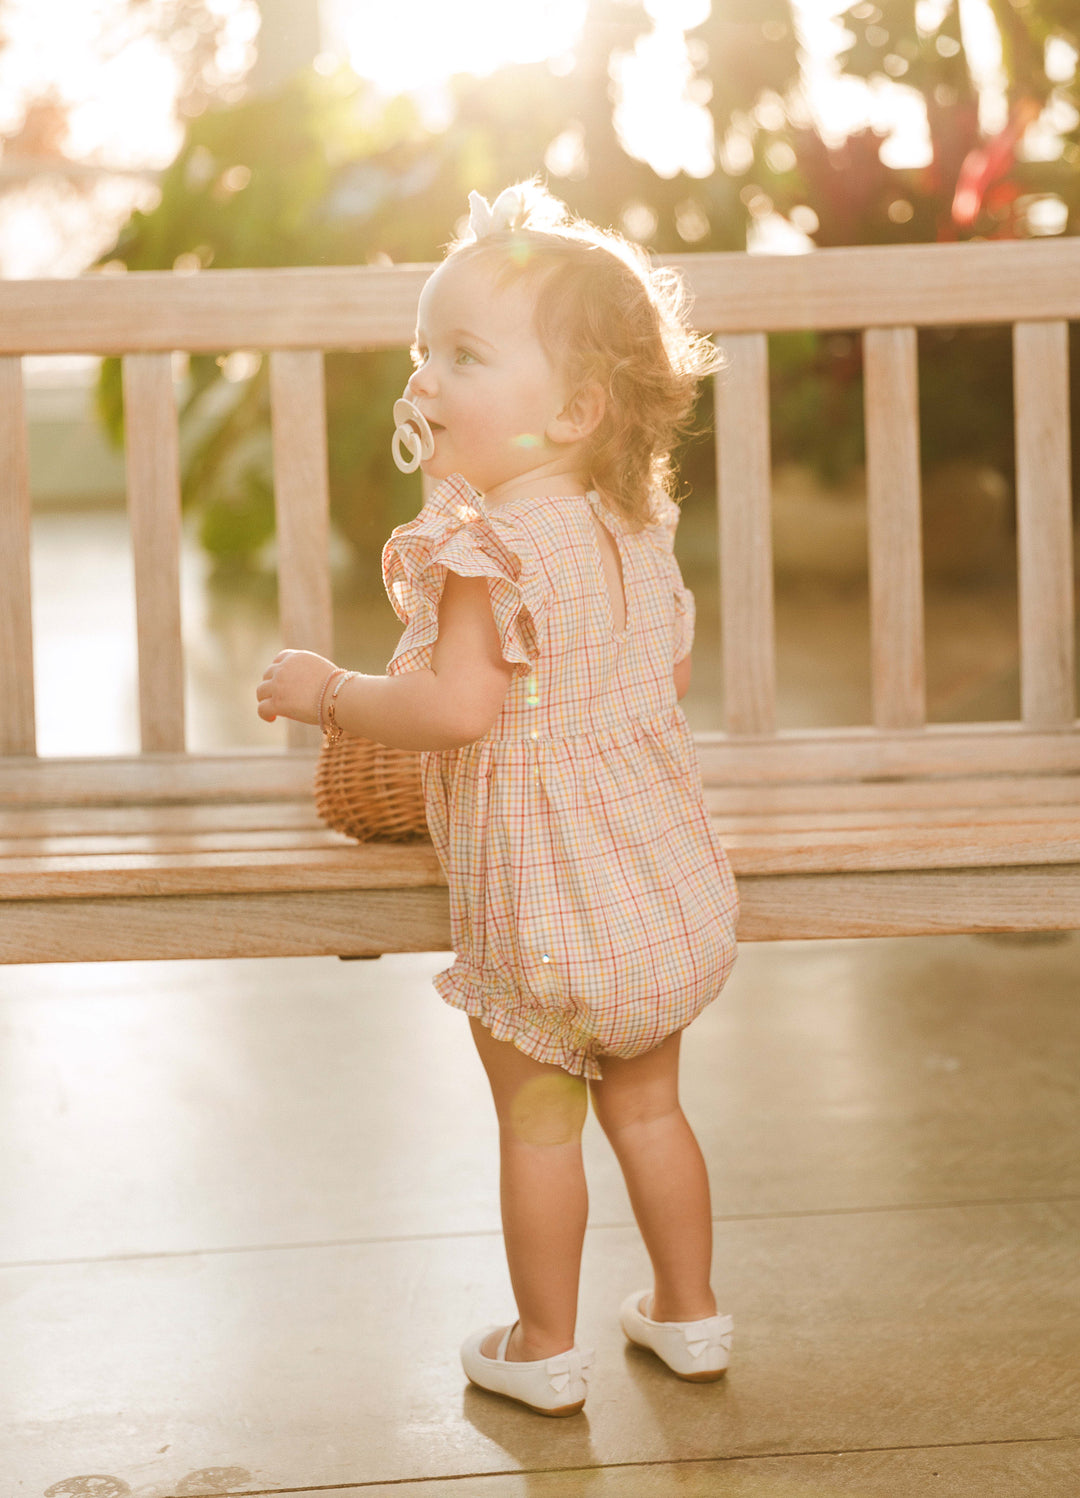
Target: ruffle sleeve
<point>454,533</point>
<point>662,533</point>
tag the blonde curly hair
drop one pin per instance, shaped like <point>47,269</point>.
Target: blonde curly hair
<point>604,313</point>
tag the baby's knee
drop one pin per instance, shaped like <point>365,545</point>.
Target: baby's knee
<point>617,1115</point>
<point>638,1089</point>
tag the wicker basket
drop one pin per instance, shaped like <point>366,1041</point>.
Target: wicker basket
<point>370,792</point>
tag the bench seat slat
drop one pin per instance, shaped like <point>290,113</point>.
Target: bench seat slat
<point>332,922</point>
<point>840,756</point>
<point>219,817</point>
<point>301,923</point>
<point>941,821</point>
<point>387,865</point>
<point>144,780</point>
<point>928,820</point>
<point>228,841</point>
<point>840,803</point>
<point>832,755</point>
<point>381,866</point>
<point>909,903</point>
<point>966,795</point>
<point>823,850</point>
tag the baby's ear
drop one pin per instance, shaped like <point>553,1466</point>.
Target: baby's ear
<point>581,415</point>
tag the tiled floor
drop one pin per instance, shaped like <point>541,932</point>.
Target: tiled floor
<point>250,1209</point>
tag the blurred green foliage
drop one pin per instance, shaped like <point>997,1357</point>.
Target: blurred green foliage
<point>325,172</point>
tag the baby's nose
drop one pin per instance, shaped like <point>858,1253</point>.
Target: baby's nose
<point>420,382</point>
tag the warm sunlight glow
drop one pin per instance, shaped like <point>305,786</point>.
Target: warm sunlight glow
<point>119,90</point>
<point>122,101</point>
<point>661,112</point>
<point>418,46</point>
<point>658,116</point>
<point>842,104</point>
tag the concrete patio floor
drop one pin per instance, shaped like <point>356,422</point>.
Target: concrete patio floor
<point>251,1210</point>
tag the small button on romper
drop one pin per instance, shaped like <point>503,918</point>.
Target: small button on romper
<point>592,906</point>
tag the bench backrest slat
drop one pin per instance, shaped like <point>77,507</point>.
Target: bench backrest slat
<point>153,473</point>
<point>339,307</point>
<point>357,307</point>
<point>878,286</point>
<point>1044,523</point>
<point>302,499</point>
<point>897,652</point>
<point>16,638</point>
<point>744,484</point>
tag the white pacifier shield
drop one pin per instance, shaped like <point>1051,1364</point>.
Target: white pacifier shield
<point>411,433</point>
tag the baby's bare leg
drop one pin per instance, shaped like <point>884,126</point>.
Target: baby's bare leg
<point>637,1104</point>
<point>541,1111</point>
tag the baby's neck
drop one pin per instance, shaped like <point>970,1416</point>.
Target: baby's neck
<point>537,485</point>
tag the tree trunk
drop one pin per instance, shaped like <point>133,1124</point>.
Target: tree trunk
<point>289,39</point>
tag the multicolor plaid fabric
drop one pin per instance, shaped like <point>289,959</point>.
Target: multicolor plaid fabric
<point>592,907</point>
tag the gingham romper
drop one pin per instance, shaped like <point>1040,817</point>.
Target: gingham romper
<point>592,906</point>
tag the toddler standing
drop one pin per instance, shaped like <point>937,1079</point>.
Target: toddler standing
<point>546,647</point>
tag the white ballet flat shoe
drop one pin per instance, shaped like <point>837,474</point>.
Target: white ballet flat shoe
<point>698,1351</point>
<point>551,1386</point>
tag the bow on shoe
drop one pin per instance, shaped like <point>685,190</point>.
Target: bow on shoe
<point>560,1370</point>
<point>507,212</point>
<point>699,1339</point>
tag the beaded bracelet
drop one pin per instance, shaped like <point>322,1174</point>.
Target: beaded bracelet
<point>334,731</point>
<point>322,693</point>
<point>338,670</point>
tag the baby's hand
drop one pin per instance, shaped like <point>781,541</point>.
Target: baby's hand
<point>291,686</point>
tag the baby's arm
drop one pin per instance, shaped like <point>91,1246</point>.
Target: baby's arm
<point>451,704</point>
<point>682,678</point>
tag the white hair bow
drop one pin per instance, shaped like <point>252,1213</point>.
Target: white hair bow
<point>507,212</point>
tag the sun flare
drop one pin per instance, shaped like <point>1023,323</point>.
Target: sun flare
<point>406,48</point>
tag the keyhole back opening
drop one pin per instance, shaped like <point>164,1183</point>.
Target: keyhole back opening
<point>612,569</point>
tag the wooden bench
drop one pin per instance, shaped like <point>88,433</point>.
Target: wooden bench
<point>895,827</point>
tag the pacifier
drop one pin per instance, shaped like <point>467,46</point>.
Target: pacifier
<point>412,436</point>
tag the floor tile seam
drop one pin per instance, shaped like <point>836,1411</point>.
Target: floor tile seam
<point>678,1461</point>
<point>380,1240</point>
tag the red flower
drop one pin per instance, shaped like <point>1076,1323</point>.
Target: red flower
<point>984,165</point>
